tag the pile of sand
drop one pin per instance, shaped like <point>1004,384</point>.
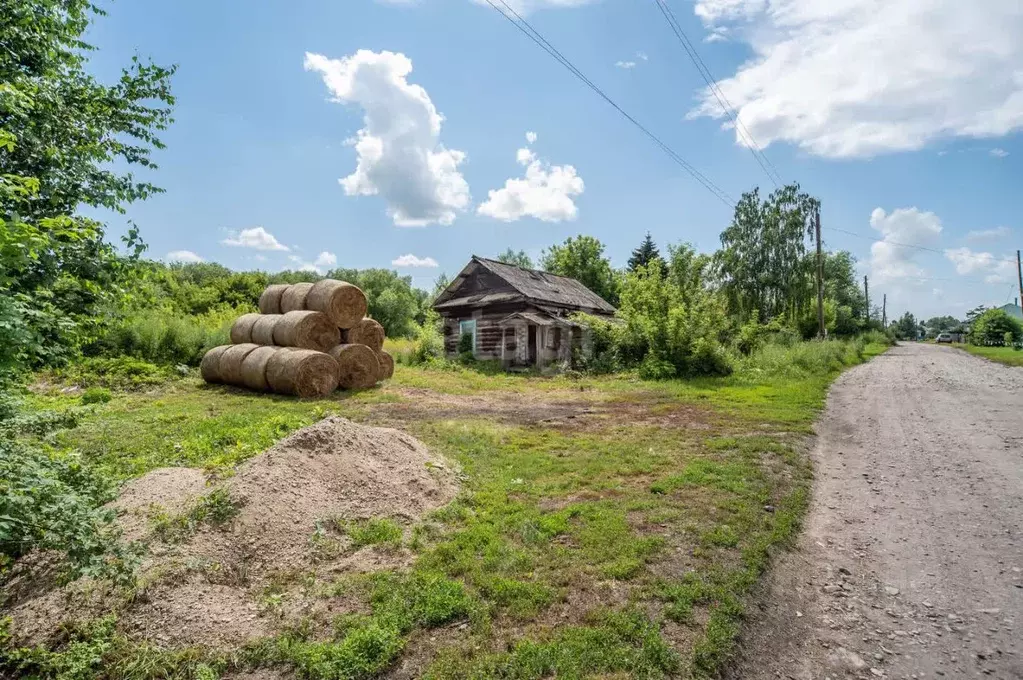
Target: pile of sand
<point>208,588</point>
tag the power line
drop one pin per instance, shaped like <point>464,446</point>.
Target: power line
<point>527,29</point>
<point>909,245</point>
<point>711,82</point>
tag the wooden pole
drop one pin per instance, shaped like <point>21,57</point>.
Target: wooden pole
<point>1019,274</point>
<point>866,294</point>
<point>884,311</point>
<point>820,277</point>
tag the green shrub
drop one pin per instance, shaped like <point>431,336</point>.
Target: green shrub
<point>165,337</point>
<point>426,346</point>
<point>96,395</point>
<point>466,348</point>
<point>124,373</point>
<point>994,327</point>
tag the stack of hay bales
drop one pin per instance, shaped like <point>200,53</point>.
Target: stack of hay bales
<point>307,340</point>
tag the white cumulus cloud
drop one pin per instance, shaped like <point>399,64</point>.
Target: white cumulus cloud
<point>411,260</point>
<point>855,78</point>
<point>998,153</point>
<point>183,256</point>
<point>257,238</point>
<point>400,156</point>
<point>890,258</point>
<point>988,234</point>
<point>545,192</point>
<point>994,268</point>
<point>531,137</point>
<point>625,64</point>
<point>325,259</point>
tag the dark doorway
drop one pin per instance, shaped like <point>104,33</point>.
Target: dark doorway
<point>532,345</point>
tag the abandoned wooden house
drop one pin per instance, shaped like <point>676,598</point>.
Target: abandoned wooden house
<point>521,317</point>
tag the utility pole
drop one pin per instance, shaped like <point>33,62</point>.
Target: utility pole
<point>1019,274</point>
<point>866,294</point>
<point>820,277</point>
<point>884,311</point>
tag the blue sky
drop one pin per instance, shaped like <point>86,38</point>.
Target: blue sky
<point>907,136</point>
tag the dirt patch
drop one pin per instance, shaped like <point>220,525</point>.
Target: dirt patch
<point>209,587</point>
<point>168,491</point>
<point>563,412</point>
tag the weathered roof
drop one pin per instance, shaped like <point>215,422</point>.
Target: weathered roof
<point>539,318</point>
<point>533,285</point>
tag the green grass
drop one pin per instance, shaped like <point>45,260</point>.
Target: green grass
<point>568,552</point>
<point>1003,355</point>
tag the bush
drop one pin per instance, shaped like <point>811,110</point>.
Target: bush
<point>123,373</point>
<point>994,327</point>
<point>96,395</point>
<point>466,348</point>
<point>164,337</point>
<point>426,346</point>
<point>802,359</point>
<point>55,502</point>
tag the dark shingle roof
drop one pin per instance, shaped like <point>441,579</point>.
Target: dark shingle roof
<point>547,288</point>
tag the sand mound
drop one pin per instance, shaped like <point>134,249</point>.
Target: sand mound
<point>206,589</point>
<point>335,468</point>
<point>167,491</point>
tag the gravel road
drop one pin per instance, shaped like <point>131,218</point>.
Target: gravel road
<point>911,561</point>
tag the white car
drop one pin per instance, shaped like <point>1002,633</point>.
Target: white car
<point>944,337</point>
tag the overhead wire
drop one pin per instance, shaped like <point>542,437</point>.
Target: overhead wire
<point>908,245</point>
<point>708,78</point>
<point>527,29</point>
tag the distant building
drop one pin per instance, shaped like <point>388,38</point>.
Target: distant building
<point>1013,310</point>
<point>521,317</point>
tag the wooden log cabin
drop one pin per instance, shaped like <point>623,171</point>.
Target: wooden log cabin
<point>520,317</point>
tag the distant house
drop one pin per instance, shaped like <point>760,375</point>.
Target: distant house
<point>1013,310</point>
<point>518,316</point>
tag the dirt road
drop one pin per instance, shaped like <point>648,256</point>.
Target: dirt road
<point>911,562</point>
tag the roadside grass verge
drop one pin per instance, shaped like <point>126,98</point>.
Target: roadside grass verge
<point>1003,355</point>
<point>625,549</point>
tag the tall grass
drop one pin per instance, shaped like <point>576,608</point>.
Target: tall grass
<point>801,359</point>
<point>163,337</point>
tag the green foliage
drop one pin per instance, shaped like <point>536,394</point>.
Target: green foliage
<point>906,328</point>
<point>121,373</point>
<point>465,346</point>
<point>519,259</point>
<point>582,258</point>
<point>214,509</point>
<point>54,502</point>
<point>994,327</point>
<point>672,327</point>
<point>164,337</point>
<point>940,324</point>
<point>392,300</point>
<point>644,254</point>
<point>762,260</point>
<point>96,395</point>
<point>373,531</point>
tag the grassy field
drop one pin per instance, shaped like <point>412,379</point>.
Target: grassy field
<point>1003,355</point>
<point>607,527</point>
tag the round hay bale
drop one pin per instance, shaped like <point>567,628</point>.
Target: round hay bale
<point>386,365</point>
<point>301,372</point>
<point>263,329</point>
<point>344,303</point>
<point>358,366</point>
<point>210,365</point>
<point>270,300</point>
<point>366,332</point>
<point>306,329</point>
<point>231,362</point>
<point>241,329</point>
<point>253,369</point>
<point>294,297</point>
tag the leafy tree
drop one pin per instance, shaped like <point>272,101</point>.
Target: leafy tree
<point>940,324</point>
<point>762,260</point>
<point>644,254</point>
<point>392,299</point>
<point>975,313</point>
<point>906,328</point>
<point>519,259</point>
<point>993,327</point>
<point>65,139</point>
<point>582,258</point>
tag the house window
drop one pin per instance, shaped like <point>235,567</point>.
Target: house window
<point>468,328</point>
